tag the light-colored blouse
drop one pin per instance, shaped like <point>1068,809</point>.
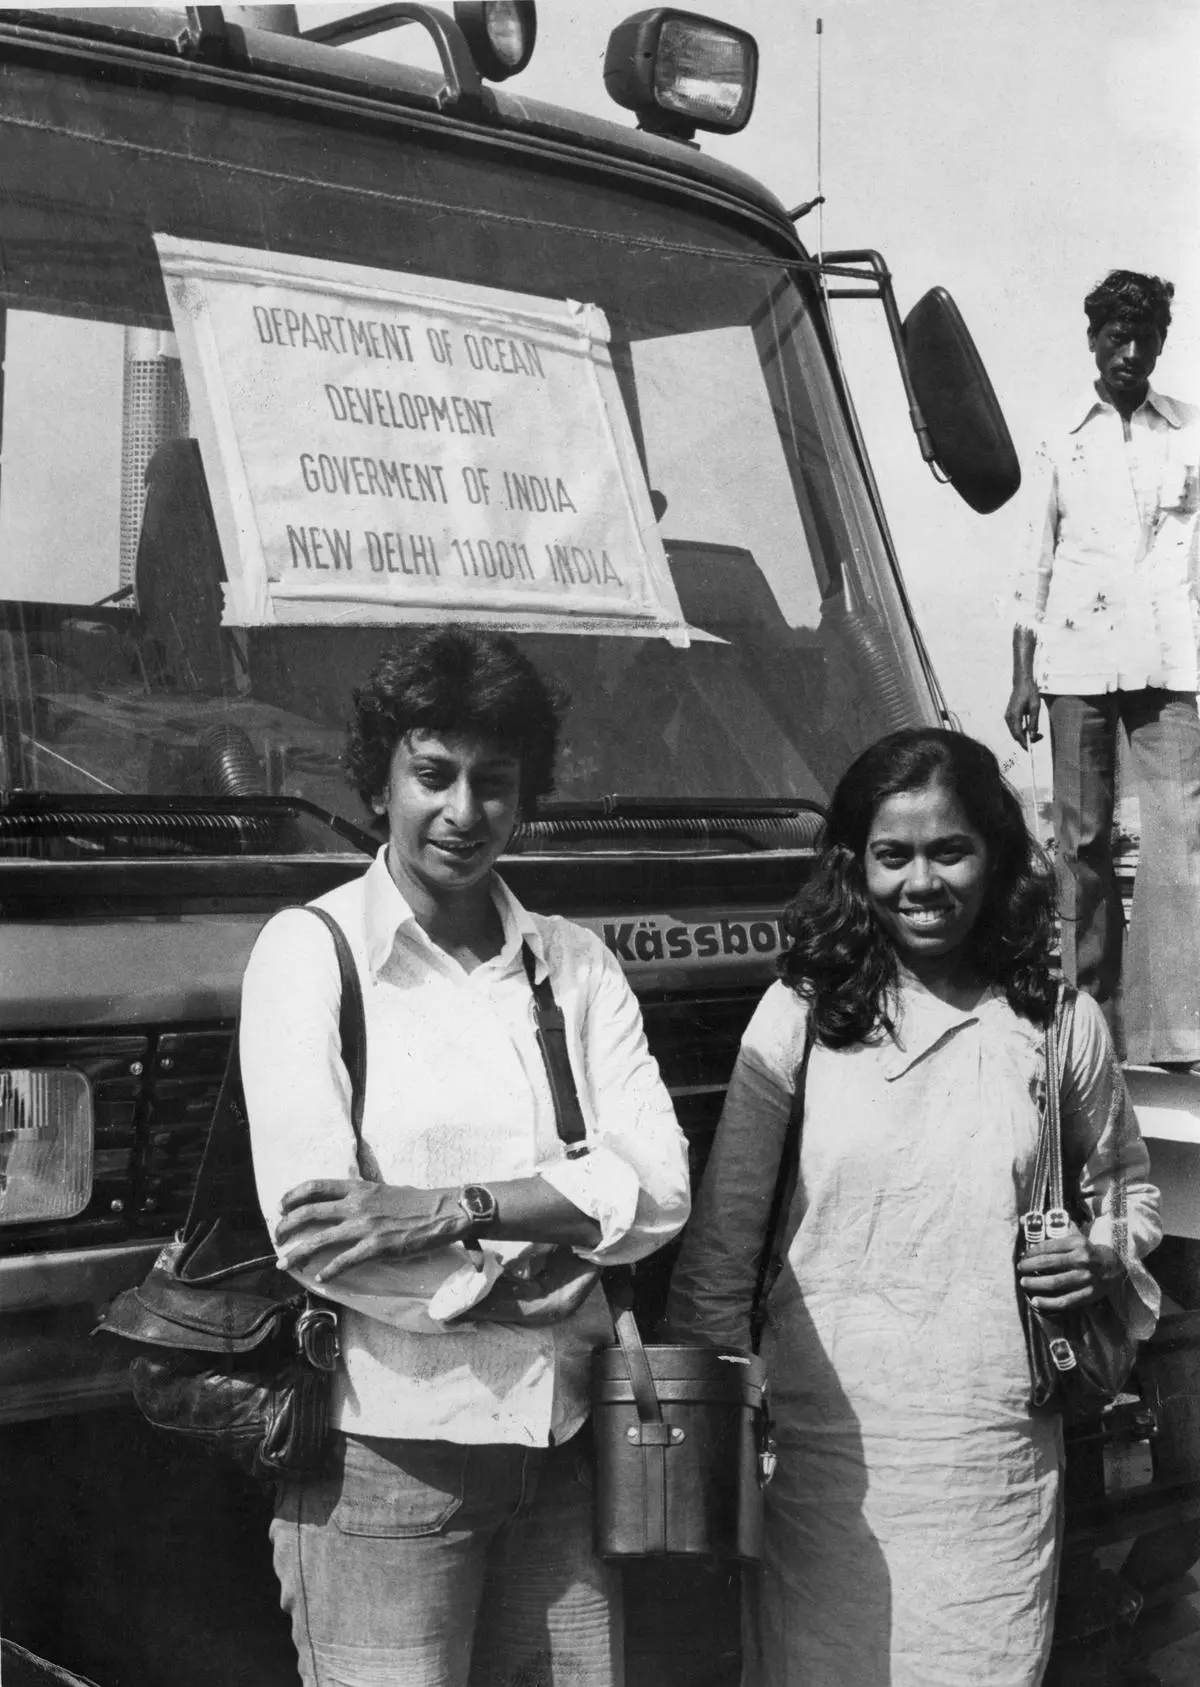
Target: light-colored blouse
<point>936,1049</point>
<point>912,1523</point>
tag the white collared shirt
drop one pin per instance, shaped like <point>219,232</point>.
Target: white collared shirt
<point>456,1092</point>
<point>1111,576</point>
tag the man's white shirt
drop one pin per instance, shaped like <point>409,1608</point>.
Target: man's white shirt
<point>1110,581</point>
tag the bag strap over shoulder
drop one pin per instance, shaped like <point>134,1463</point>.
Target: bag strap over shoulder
<point>352,1023</point>
<point>568,1117</point>
<point>229,1124</point>
<point>551,1031</point>
<point>1049,1188</point>
<point>771,1257</point>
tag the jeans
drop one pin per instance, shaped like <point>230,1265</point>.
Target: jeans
<point>1154,1011</point>
<point>432,1564</point>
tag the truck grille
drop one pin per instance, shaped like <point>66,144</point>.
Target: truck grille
<point>154,1094</point>
<point>695,1041</point>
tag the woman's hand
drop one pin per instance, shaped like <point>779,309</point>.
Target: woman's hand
<point>365,1221</point>
<point>1066,1272</point>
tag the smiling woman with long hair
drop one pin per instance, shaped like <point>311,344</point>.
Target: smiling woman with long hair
<point>847,945</point>
<point>912,1526</point>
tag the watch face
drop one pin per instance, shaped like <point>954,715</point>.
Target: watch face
<point>479,1202</point>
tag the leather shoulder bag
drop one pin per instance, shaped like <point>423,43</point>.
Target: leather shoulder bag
<point>1079,1361</point>
<point>677,1429</point>
<point>682,1434</point>
<point>231,1351</point>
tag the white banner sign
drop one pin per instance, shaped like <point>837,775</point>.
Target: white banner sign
<point>388,447</point>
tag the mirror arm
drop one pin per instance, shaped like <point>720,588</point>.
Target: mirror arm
<point>882,290</point>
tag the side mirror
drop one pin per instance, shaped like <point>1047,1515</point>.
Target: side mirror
<point>955,414</point>
<point>970,438</point>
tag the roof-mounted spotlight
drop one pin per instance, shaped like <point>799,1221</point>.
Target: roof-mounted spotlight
<point>500,33</point>
<point>681,72</point>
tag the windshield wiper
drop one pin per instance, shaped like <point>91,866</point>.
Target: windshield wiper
<point>616,805</point>
<point>640,823</point>
<point>41,825</point>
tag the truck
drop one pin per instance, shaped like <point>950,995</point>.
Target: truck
<point>305,348</point>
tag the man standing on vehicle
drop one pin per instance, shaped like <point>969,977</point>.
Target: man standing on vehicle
<point>1107,630</point>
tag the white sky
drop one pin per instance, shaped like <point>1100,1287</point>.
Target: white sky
<point>1010,150</point>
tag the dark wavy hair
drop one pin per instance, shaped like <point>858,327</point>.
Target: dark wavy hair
<point>1132,297</point>
<point>456,681</point>
<point>842,962</point>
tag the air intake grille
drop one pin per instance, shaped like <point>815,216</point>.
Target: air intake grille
<point>695,1041</point>
<point>154,1095</point>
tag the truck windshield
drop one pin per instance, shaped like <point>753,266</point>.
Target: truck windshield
<point>118,679</point>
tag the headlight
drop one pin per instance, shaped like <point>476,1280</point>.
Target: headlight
<point>500,33</point>
<point>45,1144</point>
<point>681,72</point>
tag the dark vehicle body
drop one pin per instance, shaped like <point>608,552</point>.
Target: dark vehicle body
<point>170,781</point>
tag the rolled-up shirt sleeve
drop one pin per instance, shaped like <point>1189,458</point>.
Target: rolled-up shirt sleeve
<point>713,1284</point>
<point>634,1178</point>
<point>298,1100</point>
<point>1031,588</point>
<point>1099,1119</point>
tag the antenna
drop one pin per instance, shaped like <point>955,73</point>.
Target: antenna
<point>816,203</point>
<point>819,202</point>
<point>820,138</point>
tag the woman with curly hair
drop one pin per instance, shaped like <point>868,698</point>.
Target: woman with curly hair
<point>913,1521</point>
<point>448,1540</point>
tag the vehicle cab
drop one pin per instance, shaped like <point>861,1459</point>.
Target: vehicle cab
<point>304,349</point>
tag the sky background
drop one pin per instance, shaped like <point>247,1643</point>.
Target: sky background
<point>1009,150</point>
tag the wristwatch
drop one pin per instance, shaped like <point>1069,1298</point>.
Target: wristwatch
<point>479,1204</point>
